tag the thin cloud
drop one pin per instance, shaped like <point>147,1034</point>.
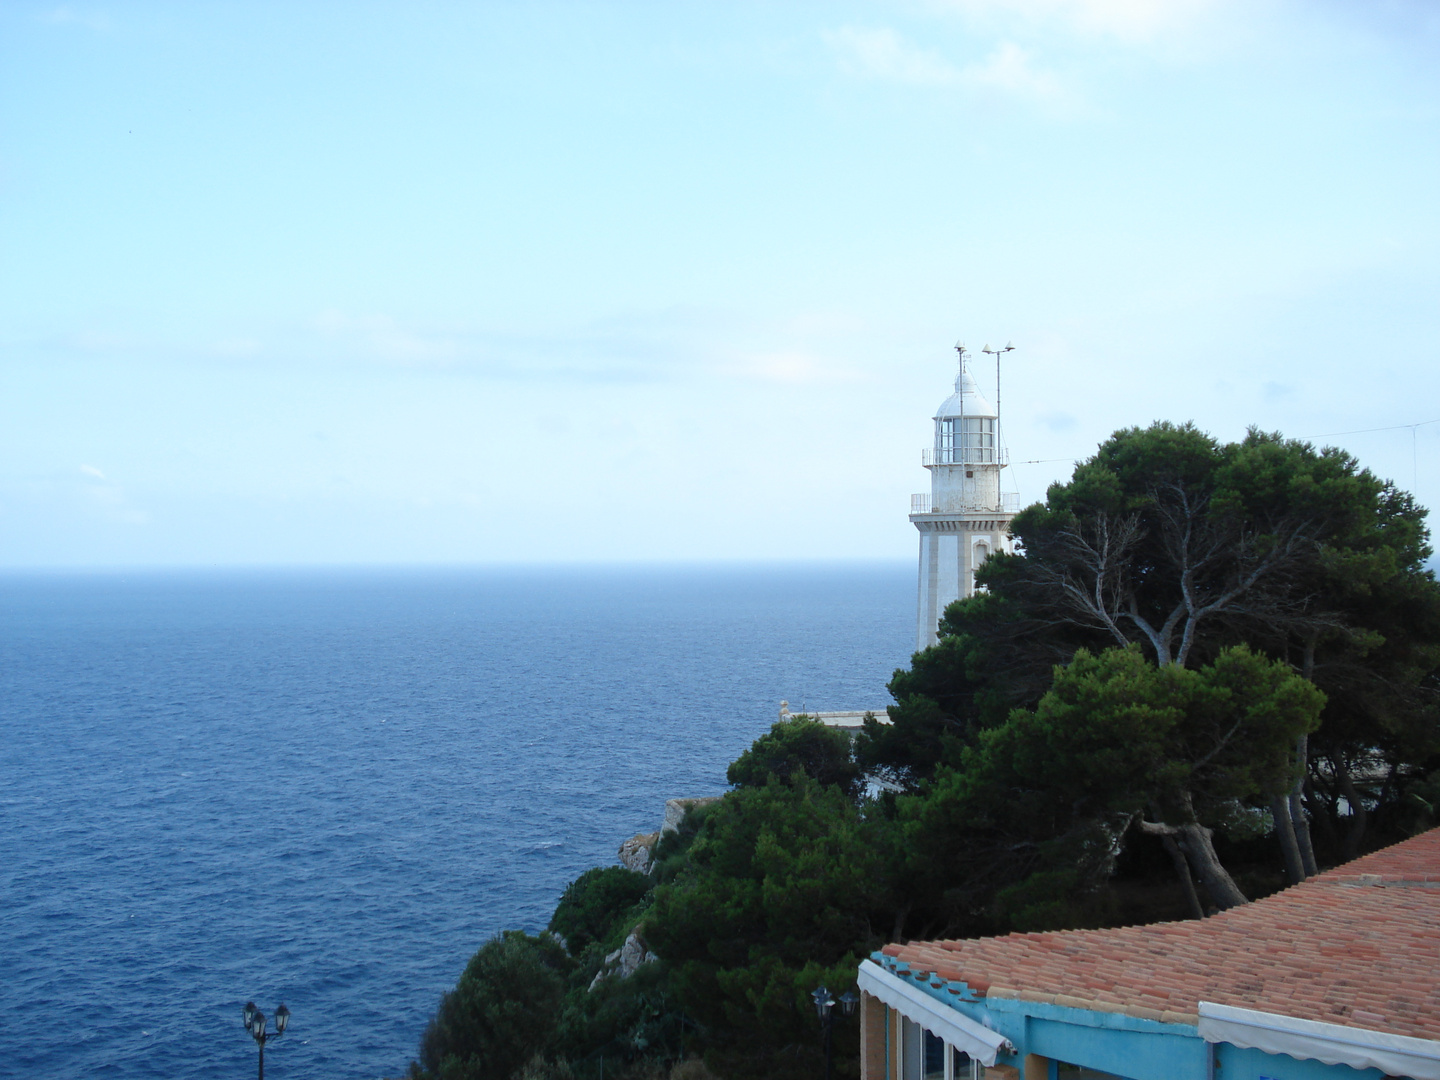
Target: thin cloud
<point>794,367</point>
<point>108,500</point>
<point>883,54</point>
<point>1058,421</point>
<point>1133,21</point>
<point>1010,69</point>
<point>593,354</point>
<point>236,347</point>
<point>100,341</point>
<point>68,16</point>
<point>381,338</point>
<point>642,347</point>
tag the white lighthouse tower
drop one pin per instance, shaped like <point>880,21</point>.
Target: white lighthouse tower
<point>965,518</point>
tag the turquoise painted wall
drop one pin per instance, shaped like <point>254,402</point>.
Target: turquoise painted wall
<point>1234,1063</point>
<point>1138,1055</point>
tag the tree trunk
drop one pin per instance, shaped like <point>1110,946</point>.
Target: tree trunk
<point>1285,833</point>
<point>1359,816</point>
<point>1319,812</point>
<point>1299,819</point>
<point>898,934</point>
<point>1182,871</point>
<point>1195,842</point>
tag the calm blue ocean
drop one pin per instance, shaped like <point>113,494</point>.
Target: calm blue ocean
<point>329,788</point>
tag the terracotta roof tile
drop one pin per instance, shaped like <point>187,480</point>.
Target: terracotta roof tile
<point>1358,945</point>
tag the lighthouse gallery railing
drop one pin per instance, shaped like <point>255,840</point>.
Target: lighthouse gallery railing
<point>1009,504</point>
<point>968,455</point>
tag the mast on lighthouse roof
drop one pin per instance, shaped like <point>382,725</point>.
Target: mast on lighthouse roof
<point>965,518</point>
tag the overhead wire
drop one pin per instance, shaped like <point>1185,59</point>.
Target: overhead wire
<point>1412,428</point>
<point>1366,431</point>
<point>1414,442</point>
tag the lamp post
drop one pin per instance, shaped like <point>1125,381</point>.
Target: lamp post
<point>824,1006</point>
<point>255,1025</point>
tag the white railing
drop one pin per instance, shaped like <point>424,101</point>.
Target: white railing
<point>1009,504</point>
<point>969,455</point>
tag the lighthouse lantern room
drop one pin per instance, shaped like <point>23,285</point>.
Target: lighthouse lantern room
<point>965,518</point>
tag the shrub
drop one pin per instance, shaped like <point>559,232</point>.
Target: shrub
<point>594,903</point>
<point>798,745</point>
<point>501,1013</point>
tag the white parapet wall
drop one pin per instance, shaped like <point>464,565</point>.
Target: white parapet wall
<point>851,720</point>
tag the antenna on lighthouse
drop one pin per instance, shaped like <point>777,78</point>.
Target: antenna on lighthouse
<point>997,353</point>
<point>957,438</point>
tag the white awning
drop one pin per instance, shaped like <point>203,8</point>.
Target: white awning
<point>1334,1044</point>
<point>953,1026</point>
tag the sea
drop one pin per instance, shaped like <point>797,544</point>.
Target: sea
<point>330,787</point>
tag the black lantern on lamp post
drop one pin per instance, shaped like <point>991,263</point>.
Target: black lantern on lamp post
<point>824,1008</point>
<point>255,1025</point>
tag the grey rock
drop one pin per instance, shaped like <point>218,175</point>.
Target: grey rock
<point>638,852</point>
<point>676,809</point>
<point>624,961</point>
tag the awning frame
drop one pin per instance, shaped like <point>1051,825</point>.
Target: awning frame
<point>957,1029</point>
<point>1334,1044</point>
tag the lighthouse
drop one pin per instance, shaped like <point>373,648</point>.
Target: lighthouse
<point>965,518</point>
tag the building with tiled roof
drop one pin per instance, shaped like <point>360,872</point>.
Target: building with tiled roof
<point>1336,977</point>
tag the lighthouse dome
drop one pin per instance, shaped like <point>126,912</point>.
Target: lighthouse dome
<point>966,400</point>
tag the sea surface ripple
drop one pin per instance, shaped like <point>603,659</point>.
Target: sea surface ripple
<point>330,787</point>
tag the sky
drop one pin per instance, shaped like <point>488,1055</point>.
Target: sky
<point>451,283</point>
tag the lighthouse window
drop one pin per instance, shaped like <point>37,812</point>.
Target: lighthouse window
<point>965,440</point>
<point>979,438</point>
<point>945,440</point>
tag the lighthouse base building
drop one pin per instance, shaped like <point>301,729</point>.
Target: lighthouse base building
<point>952,547</point>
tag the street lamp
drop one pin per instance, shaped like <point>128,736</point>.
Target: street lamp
<point>255,1025</point>
<point>824,1006</point>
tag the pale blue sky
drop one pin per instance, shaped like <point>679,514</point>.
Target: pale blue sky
<point>408,282</point>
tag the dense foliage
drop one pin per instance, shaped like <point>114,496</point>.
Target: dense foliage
<point>803,746</point>
<point>1182,546</point>
<point>593,904</point>
<point>501,1013</point>
<point>1202,654</point>
<point>1116,743</point>
<point>779,896</point>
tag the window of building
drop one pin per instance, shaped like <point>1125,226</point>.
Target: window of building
<point>912,1051</point>
<point>934,1057</point>
<point>922,1056</point>
<point>964,1067</point>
